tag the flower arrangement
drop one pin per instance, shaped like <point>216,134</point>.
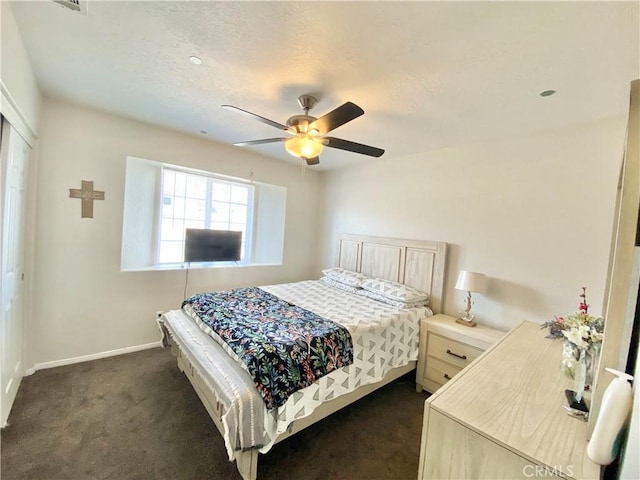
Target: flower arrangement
<point>584,331</point>
<point>583,335</point>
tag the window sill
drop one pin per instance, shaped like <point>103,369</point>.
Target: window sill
<point>197,266</point>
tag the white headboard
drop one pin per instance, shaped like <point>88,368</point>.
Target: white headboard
<point>416,263</point>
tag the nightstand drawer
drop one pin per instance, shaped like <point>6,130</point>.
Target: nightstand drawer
<point>451,351</point>
<point>440,372</point>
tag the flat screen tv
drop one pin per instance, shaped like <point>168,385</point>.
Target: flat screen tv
<point>202,245</point>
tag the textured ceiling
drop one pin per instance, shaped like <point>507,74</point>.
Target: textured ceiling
<point>428,74</point>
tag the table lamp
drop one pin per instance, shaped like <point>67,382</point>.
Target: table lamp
<point>470,282</point>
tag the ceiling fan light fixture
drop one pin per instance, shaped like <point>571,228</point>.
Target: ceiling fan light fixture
<point>309,133</point>
<point>304,146</point>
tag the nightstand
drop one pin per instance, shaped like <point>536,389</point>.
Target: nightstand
<point>446,347</point>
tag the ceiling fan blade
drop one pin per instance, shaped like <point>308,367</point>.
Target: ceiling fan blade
<point>257,117</point>
<point>258,142</point>
<point>341,115</point>
<point>313,161</point>
<point>352,146</point>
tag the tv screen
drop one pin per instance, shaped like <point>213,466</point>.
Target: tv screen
<point>202,245</point>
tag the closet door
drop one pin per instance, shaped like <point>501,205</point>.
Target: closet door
<point>14,153</point>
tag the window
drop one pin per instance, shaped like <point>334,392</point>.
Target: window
<point>161,201</point>
<point>192,200</point>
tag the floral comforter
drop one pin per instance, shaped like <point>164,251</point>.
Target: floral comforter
<point>284,347</point>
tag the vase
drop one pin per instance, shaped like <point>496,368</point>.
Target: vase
<point>577,364</point>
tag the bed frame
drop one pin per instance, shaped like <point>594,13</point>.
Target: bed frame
<point>416,263</point>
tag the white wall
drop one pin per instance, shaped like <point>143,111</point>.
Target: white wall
<point>19,92</point>
<point>83,303</point>
<point>534,214</point>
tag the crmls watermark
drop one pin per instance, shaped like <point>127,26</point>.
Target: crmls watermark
<point>540,471</point>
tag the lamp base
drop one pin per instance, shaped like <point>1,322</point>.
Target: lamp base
<point>468,323</point>
<point>571,399</point>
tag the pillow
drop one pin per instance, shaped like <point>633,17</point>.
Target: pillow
<point>394,303</point>
<point>394,290</point>
<point>332,282</point>
<point>345,276</point>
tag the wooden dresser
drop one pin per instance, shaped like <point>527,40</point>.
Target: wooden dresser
<point>503,417</point>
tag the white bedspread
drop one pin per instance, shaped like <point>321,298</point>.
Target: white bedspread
<point>384,337</point>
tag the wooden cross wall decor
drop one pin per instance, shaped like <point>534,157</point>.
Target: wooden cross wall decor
<point>88,195</point>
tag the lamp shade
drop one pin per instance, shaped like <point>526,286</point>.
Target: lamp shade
<point>471,282</point>
<point>303,145</point>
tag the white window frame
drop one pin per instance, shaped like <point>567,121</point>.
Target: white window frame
<point>142,211</point>
<point>247,239</point>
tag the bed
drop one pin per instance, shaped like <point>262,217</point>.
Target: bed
<point>384,334</point>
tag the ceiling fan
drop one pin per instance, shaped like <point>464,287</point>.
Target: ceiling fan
<point>308,133</point>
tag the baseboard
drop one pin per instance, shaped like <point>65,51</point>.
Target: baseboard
<point>93,356</point>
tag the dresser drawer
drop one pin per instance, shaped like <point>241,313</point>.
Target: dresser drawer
<point>451,351</point>
<point>440,372</point>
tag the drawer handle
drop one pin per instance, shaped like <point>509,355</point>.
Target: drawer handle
<point>446,375</point>
<point>463,357</point>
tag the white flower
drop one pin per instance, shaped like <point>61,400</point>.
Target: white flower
<point>596,337</point>
<point>577,335</point>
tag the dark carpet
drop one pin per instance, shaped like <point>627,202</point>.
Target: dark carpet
<point>136,416</point>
